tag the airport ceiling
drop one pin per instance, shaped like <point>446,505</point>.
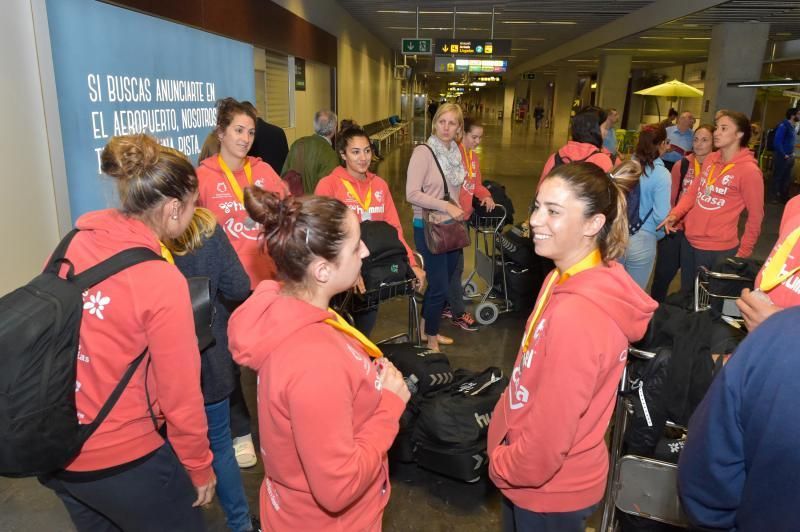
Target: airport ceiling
<point>538,26</point>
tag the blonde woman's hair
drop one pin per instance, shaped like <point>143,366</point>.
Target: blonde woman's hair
<point>603,194</point>
<point>200,229</point>
<point>450,108</point>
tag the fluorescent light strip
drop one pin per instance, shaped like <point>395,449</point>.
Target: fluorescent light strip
<point>557,22</point>
<point>776,83</point>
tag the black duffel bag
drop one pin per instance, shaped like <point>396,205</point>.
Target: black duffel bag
<point>388,260</point>
<point>500,197</point>
<point>426,370</point>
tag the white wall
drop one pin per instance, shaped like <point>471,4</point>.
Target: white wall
<point>366,89</point>
<point>29,218</point>
<point>316,96</point>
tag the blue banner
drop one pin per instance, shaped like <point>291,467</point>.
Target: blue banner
<point>120,72</point>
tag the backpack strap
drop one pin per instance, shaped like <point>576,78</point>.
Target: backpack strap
<point>595,152</point>
<point>684,170</point>
<point>61,250</point>
<point>114,264</point>
<point>557,160</point>
<point>115,395</point>
<point>446,190</point>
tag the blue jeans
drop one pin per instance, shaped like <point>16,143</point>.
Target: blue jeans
<point>455,293</point>
<point>640,257</point>
<point>693,258</point>
<point>230,489</point>
<point>438,272</point>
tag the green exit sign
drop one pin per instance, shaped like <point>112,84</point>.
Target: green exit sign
<point>416,46</point>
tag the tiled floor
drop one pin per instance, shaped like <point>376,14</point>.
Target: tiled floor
<point>421,501</point>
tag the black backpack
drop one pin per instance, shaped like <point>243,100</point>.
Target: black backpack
<point>771,139</point>
<point>635,222</point>
<point>558,160</point>
<point>500,197</point>
<point>388,260</point>
<point>39,331</point>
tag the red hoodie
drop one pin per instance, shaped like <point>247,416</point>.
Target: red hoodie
<point>216,195</point>
<point>786,294</point>
<point>473,182</point>
<point>683,185</point>
<point>324,422</point>
<point>547,451</point>
<point>712,212</point>
<point>580,151</point>
<point>146,305</point>
<point>381,208</point>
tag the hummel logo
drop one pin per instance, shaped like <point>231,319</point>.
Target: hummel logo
<point>441,378</point>
<point>483,420</point>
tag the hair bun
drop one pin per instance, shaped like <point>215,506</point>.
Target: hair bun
<point>128,157</point>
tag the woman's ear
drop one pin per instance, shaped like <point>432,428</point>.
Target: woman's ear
<point>320,270</point>
<point>594,225</point>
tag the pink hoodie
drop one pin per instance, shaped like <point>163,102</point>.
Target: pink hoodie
<point>146,305</point>
<point>711,213</point>
<point>787,294</point>
<point>217,196</point>
<point>547,451</point>
<point>325,424</point>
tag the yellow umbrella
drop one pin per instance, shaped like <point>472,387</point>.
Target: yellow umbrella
<point>671,89</point>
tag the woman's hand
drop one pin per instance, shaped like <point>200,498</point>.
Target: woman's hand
<point>488,203</point>
<point>454,211</point>
<point>755,306</point>
<point>419,273</point>
<point>205,494</point>
<point>668,224</point>
<point>360,287</point>
<point>392,379</point>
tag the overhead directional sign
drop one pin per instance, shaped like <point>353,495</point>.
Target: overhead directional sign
<point>416,46</point>
<point>473,47</point>
<point>459,65</point>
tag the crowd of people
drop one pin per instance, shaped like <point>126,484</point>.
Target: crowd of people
<point>328,403</point>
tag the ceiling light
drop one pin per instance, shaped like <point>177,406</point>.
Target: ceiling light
<point>581,60</point>
<point>560,22</point>
<point>784,34</point>
<point>518,22</point>
<point>593,85</point>
<point>661,38</point>
<point>697,38</point>
<point>767,83</point>
<point>478,84</point>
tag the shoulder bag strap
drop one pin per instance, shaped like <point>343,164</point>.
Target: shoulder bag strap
<point>61,250</point>
<point>441,172</point>
<point>115,264</point>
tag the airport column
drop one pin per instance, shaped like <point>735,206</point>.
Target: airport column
<point>612,81</point>
<point>566,82</point>
<point>736,53</point>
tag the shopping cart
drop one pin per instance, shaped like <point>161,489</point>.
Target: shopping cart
<point>352,303</point>
<point>637,485</point>
<point>719,291</point>
<point>486,232</point>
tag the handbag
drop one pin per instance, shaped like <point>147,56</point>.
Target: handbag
<point>202,309</point>
<point>443,233</point>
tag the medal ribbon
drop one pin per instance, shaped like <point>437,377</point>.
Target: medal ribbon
<point>352,191</point>
<point>697,169</point>
<point>710,180</point>
<point>166,253</point>
<point>237,190</point>
<point>589,261</point>
<point>772,276</point>
<point>468,158</point>
<point>339,323</point>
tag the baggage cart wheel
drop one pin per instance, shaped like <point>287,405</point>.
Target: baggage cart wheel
<point>470,289</point>
<point>486,313</point>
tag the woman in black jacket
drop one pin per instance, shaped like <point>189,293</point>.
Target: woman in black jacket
<point>203,250</point>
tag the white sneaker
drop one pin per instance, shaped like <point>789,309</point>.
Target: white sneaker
<point>245,451</point>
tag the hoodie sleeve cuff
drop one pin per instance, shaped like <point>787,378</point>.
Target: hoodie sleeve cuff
<point>201,477</point>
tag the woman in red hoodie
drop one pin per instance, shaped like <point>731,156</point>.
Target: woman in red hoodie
<point>327,414</point>
<point>366,194</point>
<point>731,182</point>
<point>222,179</point>
<point>585,144</point>
<point>126,476</point>
<point>546,448</point>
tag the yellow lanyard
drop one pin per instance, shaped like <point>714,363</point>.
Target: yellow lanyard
<point>711,179</point>
<point>468,158</point>
<point>352,191</point>
<point>589,261</point>
<point>237,190</point>
<point>772,276</point>
<point>166,253</point>
<point>697,169</point>
<point>338,322</point>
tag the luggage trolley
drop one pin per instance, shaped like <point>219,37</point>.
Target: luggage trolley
<point>639,486</point>
<point>707,286</point>
<point>371,299</point>
<point>486,231</point>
